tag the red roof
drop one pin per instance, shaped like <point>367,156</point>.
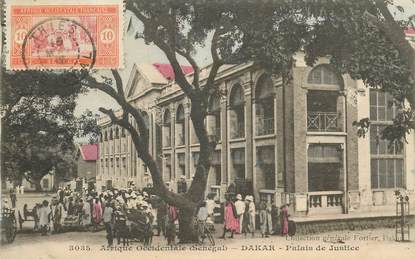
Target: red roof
<point>167,70</point>
<point>89,152</point>
<point>409,31</point>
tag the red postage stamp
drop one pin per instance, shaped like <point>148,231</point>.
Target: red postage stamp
<point>45,34</point>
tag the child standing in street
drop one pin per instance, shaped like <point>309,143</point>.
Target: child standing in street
<point>44,217</point>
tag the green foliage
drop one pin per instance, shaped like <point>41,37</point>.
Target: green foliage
<point>38,123</point>
<point>88,127</point>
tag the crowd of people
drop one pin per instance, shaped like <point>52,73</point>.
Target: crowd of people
<point>90,210</point>
<point>240,217</point>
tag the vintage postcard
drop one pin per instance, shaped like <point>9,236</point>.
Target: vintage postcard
<point>207,129</point>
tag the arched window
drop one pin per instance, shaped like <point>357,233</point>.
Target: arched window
<point>323,74</point>
<point>111,136</point>
<point>214,110</point>
<point>237,112</point>
<point>122,132</point>
<point>264,106</point>
<point>100,137</point>
<point>180,125</point>
<point>167,129</point>
<point>105,136</point>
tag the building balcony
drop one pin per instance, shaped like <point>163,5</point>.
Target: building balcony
<point>325,202</point>
<point>322,122</point>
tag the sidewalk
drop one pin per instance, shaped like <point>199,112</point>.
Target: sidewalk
<point>349,216</point>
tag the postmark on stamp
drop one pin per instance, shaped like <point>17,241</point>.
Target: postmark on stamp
<point>64,34</point>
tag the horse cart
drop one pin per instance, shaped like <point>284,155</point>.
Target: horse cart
<point>8,225</point>
<point>133,226</point>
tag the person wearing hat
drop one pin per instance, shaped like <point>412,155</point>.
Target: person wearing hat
<point>148,230</point>
<point>252,213</point>
<point>248,223</point>
<point>57,211</point>
<point>107,218</point>
<point>230,224</point>
<point>265,218</point>
<point>131,200</point>
<point>240,209</point>
<point>44,217</point>
<point>86,213</point>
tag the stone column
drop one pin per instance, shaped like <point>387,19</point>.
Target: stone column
<point>224,141</point>
<point>228,161</point>
<point>341,111</point>
<point>277,172</point>
<point>256,172</point>
<point>299,122</point>
<point>150,132</point>
<point>173,142</point>
<point>248,135</point>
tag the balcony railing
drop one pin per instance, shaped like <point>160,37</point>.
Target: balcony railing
<point>322,121</point>
<point>267,195</point>
<point>264,126</point>
<point>329,199</point>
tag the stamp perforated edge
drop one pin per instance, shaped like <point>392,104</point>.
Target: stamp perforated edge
<point>6,44</point>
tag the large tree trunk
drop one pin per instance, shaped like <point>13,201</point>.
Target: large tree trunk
<point>186,203</point>
<point>36,181</point>
<point>187,233</point>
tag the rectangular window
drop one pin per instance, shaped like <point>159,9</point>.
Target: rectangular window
<point>387,170</point>
<point>382,107</point>
<point>181,163</point>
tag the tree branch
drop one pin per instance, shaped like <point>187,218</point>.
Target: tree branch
<point>118,82</point>
<point>192,62</point>
<point>150,29</point>
<point>395,34</point>
<point>125,105</point>
<point>217,61</point>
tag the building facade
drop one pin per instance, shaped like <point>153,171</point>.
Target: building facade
<point>291,143</point>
